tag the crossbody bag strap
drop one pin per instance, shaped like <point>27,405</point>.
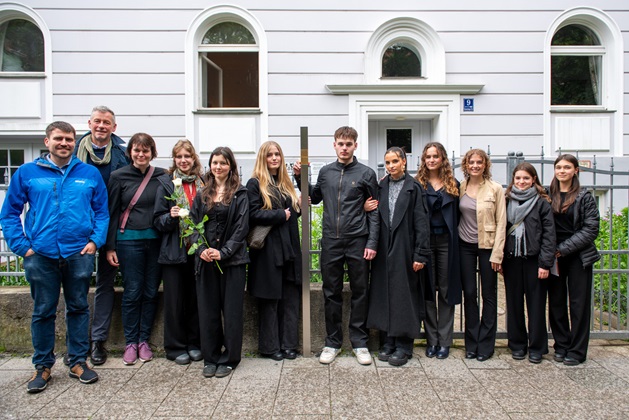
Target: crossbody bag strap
<point>125,216</point>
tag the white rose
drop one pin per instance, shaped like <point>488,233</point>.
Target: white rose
<point>184,213</point>
<point>177,182</point>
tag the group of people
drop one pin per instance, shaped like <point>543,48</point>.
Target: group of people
<point>435,234</point>
<point>410,246</point>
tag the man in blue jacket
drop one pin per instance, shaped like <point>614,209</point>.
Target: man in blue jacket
<point>104,150</point>
<point>66,222</point>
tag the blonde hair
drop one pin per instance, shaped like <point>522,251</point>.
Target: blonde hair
<point>446,174</point>
<point>266,181</point>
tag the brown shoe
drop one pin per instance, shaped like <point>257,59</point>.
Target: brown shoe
<point>39,381</point>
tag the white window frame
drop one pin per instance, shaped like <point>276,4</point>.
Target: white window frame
<point>415,35</point>
<point>197,29</point>
<point>611,76</point>
<point>10,11</point>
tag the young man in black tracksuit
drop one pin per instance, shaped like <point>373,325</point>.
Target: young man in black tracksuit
<point>350,235</point>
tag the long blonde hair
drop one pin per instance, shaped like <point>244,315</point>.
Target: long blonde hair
<point>446,174</point>
<point>265,179</point>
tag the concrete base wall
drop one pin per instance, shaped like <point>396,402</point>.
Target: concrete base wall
<point>16,307</point>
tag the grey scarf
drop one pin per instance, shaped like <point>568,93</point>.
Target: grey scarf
<point>85,149</point>
<point>519,206</point>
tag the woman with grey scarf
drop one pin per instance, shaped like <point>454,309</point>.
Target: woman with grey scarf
<point>528,256</point>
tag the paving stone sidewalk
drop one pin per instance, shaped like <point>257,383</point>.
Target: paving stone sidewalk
<point>500,388</point>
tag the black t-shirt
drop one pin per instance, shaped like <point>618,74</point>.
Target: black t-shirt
<point>564,222</point>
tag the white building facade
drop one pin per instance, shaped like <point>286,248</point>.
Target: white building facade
<point>511,75</point>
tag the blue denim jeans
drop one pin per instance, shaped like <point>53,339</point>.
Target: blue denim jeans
<point>46,276</point>
<point>141,276</point>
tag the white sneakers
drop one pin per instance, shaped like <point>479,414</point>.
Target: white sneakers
<point>328,354</point>
<point>363,356</point>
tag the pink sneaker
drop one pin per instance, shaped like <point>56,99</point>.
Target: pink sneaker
<point>130,355</point>
<point>144,351</point>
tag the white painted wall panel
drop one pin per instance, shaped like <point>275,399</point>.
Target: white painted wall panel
<point>326,42</point>
<point>501,145</point>
<point>506,105</point>
<point>494,63</point>
<point>126,84</point>
<point>81,105</point>
<point>316,63</point>
<point>493,41</point>
<point>116,20</point>
<point>105,62</point>
<point>501,83</point>
<point>109,41</point>
<point>501,124</point>
<point>307,105</point>
<point>318,125</point>
<point>320,147</point>
<point>308,83</point>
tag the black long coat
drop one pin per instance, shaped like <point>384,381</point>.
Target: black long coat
<point>450,212</point>
<point>397,293</point>
<point>281,245</point>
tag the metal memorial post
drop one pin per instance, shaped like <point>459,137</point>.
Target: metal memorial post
<point>305,243</point>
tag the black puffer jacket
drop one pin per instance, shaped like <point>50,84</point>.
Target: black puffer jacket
<point>344,190</point>
<point>586,225</point>
<point>539,225</point>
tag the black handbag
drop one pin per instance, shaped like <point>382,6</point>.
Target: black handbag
<point>256,236</point>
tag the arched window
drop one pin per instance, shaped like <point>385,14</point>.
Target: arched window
<point>22,45</point>
<point>228,56</point>
<point>400,60</point>
<point>576,60</point>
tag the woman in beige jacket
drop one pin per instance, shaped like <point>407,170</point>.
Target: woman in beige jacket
<point>481,240</point>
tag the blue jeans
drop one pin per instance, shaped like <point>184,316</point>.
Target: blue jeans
<point>46,276</point>
<point>141,276</point>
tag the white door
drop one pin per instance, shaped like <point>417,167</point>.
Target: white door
<point>411,135</point>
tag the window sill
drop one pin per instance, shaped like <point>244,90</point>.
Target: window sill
<point>22,75</point>
<point>222,111</point>
<point>580,110</point>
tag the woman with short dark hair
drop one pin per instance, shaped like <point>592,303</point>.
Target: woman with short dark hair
<point>133,244</point>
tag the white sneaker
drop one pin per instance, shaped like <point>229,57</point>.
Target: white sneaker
<point>363,356</point>
<point>328,354</point>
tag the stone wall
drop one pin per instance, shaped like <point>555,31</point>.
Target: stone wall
<point>16,306</point>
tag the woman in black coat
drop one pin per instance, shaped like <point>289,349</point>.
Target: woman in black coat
<point>398,286</point>
<point>529,253</point>
<point>275,269</point>
<point>441,190</point>
<point>220,266</point>
<point>576,224</point>
<point>174,198</point>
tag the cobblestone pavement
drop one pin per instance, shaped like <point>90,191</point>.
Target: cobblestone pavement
<point>262,388</point>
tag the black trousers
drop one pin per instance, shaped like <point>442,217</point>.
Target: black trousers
<point>439,321</point>
<point>279,318</point>
<point>390,343</point>
<point>181,317</point>
<point>334,254</point>
<point>480,331</point>
<point>573,287</point>
<point>103,297</point>
<point>221,294</point>
<point>520,275</point>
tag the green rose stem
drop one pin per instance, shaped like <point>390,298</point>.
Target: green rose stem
<point>200,229</point>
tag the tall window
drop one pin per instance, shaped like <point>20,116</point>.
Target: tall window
<point>576,66</point>
<point>400,61</point>
<point>22,47</point>
<point>229,67</point>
